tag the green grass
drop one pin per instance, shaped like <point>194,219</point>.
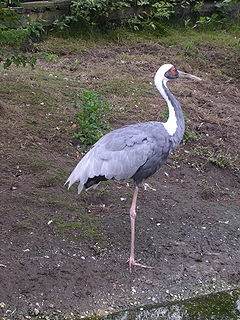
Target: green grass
<point>215,38</point>
<point>207,154</point>
<point>224,159</point>
<point>81,226</point>
<point>39,164</point>
<point>59,45</point>
<point>52,179</point>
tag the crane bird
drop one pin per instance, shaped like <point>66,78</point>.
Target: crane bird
<point>135,151</point>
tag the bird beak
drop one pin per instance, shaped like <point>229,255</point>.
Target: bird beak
<point>187,75</point>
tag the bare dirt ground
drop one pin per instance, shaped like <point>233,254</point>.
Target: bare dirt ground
<point>63,256</point>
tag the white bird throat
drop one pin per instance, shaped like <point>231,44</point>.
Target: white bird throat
<point>171,124</point>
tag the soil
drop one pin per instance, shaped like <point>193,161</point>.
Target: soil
<point>64,256</point>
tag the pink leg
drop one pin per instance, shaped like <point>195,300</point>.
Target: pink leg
<point>132,261</point>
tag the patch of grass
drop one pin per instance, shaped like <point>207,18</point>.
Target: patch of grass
<point>82,226</point>
<point>52,180</point>
<point>206,154</point>
<point>142,88</point>
<point>189,46</point>
<point>21,226</point>
<point>56,202</point>
<point>116,86</point>
<point>219,38</point>
<point>223,160</point>
<point>219,158</point>
<point>31,121</point>
<point>58,46</point>
<point>39,164</point>
<point>189,135</point>
<point>22,93</point>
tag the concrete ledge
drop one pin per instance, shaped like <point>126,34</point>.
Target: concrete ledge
<point>48,11</point>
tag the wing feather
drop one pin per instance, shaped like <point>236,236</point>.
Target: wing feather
<point>117,155</point>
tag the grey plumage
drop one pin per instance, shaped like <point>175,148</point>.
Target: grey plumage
<point>135,151</point>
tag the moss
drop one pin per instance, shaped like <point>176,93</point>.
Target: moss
<point>80,226</point>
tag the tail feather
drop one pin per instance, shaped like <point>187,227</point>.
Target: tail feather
<point>77,176</point>
<point>83,171</point>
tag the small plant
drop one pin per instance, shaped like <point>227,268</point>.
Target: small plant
<point>189,47</point>
<point>49,57</point>
<point>91,119</point>
<point>189,135</point>
<point>219,158</point>
<point>222,159</point>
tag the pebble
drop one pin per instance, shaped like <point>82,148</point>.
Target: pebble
<point>36,311</point>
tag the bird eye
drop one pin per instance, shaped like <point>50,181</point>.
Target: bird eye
<point>173,71</point>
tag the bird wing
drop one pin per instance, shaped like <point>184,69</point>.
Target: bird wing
<point>117,155</point>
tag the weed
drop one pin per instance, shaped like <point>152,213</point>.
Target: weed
<point>219,158</point>
<point>49,57</point>
<point>189,135</point>
<point>92,117</point>
<point>189,46</point>
<point>200,150</point>
<point>208,191</point>
<point>222,159</point>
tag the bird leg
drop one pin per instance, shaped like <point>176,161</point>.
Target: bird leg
<point>132,261</point>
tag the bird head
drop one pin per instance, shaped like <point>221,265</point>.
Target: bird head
<point>169,72</point>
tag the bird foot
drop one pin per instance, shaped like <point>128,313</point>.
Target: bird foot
<point>132,262</point>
